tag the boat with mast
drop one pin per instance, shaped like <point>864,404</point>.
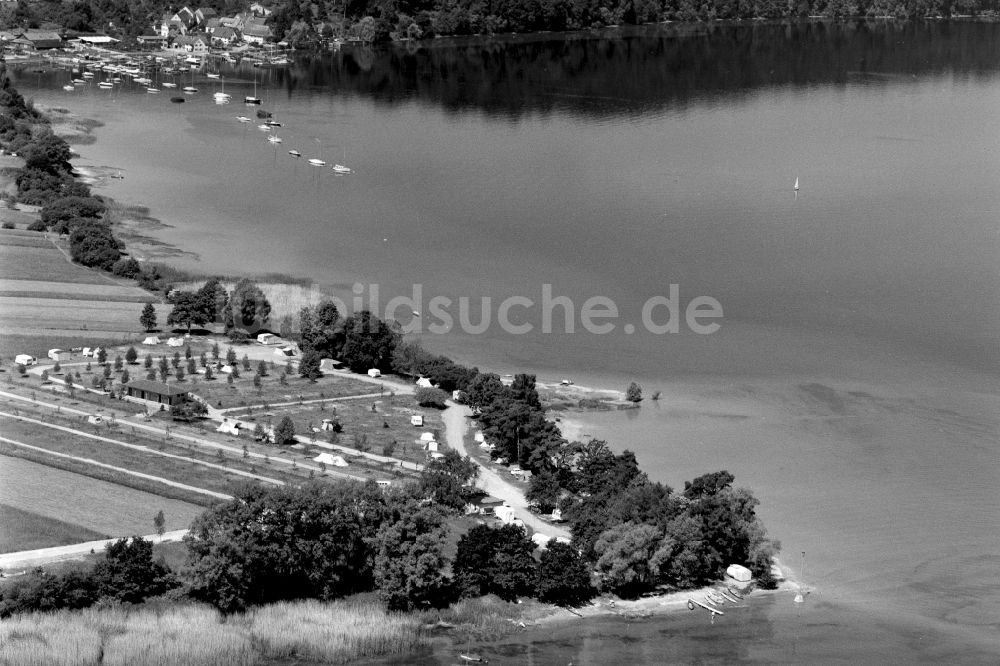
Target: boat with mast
<point>317,161</point>
<point>340,168</point>
<point>252,99</point>
<point>222,94</point>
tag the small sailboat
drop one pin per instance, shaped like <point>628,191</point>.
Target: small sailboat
<point>317,161</point>
<point>168,84</point>
<point>212,75</point>
<point>252,99</point>
<point>340,168</point>
<point>68,87</point>
<point>152,91</point>
<point>294,153</point>
<point>242,119</point>
<point>222,95</point>
<point>274,138</point>
<point>796,186</point>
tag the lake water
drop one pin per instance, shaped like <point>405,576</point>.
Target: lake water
<point>854,382</point>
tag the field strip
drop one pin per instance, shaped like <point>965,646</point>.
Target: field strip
<point>89,461</point>
<point>194,440</point>
<point>72,288</point>
<point>300,402</point>
<point>145,449</point>
<point>56,553</point>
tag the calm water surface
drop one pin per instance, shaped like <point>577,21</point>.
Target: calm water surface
<point>854,381</point>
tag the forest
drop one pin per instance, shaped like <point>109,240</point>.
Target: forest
<point>303,23</point>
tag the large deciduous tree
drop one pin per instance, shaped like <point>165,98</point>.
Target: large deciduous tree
<point>563,576</point>
<point>368,342</point>
<point>248,304</point>
<point>409,561</point>
<point>269,544</point>
<point>190,309</point>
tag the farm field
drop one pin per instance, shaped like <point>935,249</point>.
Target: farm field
<point>46,301</point>
<point>26,530</point>
<point>88,503</point>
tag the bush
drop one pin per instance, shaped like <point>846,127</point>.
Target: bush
<point>431,397</point>
<point>127,267</point>
<point>239,336</point>
<point>8,225</point>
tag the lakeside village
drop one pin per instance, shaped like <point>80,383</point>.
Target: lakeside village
<point>180,41</point>
<point>355,494</point>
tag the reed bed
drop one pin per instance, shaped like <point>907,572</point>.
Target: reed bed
<point>335,632</point>
<point>197,635</point>
<point>51,639</point>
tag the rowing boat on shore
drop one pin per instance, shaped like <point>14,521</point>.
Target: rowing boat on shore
<point>711,609</point>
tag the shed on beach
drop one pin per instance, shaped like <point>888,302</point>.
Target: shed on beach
<point>739,573</point>
<point>151,391</point>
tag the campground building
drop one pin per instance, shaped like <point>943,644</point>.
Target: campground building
<point>150,391</point>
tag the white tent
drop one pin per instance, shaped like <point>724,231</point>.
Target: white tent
<point>427,437</point>
<point>423,382</point>
<point>229,427</point>
<point>330,459</point>
<point>151,340</point>
<point>175,342</point>
<point>479,437</point>
<point>739,573</point>
<point>541,540</point>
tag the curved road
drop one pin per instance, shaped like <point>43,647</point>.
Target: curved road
<point>491,482</point>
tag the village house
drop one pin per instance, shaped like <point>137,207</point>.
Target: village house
<point>203,15</point>
<point>150,391</point>
<point>191,43</point>
<point>41,40</point>
<point>179,23</point>
<point>255,32</point>
<point>257,9</point>
<point>211,25</point>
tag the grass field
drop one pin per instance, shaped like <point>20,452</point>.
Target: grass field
<point>44,296</point>
<point>95,505</point>
<point>27,530</point>
<point>364,429</point>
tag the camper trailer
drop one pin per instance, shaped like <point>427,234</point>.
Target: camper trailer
<point>25,359</point>
<point>417,420</point>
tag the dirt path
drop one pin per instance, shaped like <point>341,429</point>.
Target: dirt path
<point>40,556</point>
<point>455,419</point>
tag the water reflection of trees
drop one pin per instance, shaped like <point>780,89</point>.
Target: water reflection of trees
<point>653,67</point>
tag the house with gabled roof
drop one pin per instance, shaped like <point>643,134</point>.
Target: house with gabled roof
<point>43,39</point>
<point>256,33</point>
<point>203,14</point>
<point>223,36</point>
<point>212,24</point>
<point>192,43</point>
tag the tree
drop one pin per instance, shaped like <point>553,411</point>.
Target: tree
<point>179,373</point>
<point>249,305</point>
<point>309,365</point>
<point>102,356</point>
<point>274,543</point>
<point>188,409</point>
<point>128,572</point>
<point>159,522</point>
<point>208,372</point>
<point>563,576</point>
<point>131,355</point>
<point>409,560</point>
<point>118,363</point>
<point>544,491</point>
<point>125,376</point>
<point>213,298</point>
<point>231,357</point>
<point>625,553</point>
<point>284,434</point>
<point>148,317</point>
<point>448,480</point>
<point>634,393</point>
<point>189,309</point>
<point>368,342</point>
<point>431,397</point>
<point>262,368</point>
<point>495,561</point>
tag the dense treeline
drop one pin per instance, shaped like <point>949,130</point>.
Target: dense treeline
<point>47,180</point>
<point>304,22</point>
